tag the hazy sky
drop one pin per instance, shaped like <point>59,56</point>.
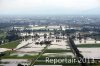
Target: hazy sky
<point>56,7</point>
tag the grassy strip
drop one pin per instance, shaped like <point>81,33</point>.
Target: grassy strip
<point>43,58</point>
<point>38,56</point>
<point>2,34</point>
<point>56,51</point>
<point>38,62</point>
<point>17,57</point>
<point>10,45</point>
<point>88,45</point>
<point>7,56</point>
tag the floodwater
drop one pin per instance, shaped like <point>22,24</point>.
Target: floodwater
<point>90,52</point>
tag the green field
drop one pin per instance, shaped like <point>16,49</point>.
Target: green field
<point>56,51</point>
<point>88,45</point>
<point>10,45</point>
<point>7,56</point>
<point>2,35</point>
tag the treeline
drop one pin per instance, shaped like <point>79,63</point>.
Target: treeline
<point>9,36</point>
<point>4,25</point>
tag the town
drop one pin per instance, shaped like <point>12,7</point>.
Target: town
<point>28,40</point>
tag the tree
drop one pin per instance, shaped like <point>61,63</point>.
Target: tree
<point>20,64</point>
<point>1,54</point>
<point>95,40</point>
<point>45,35</point>
<point>56,32</point>
<point>85,39</point>
<point>36,36</point>
<point>73,37</point>
<point>12,37</point>
<point>0,42</point>
<point>50,34</point>
<point>80,38</point>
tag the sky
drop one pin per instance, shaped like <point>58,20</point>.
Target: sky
<point>49,7</point>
